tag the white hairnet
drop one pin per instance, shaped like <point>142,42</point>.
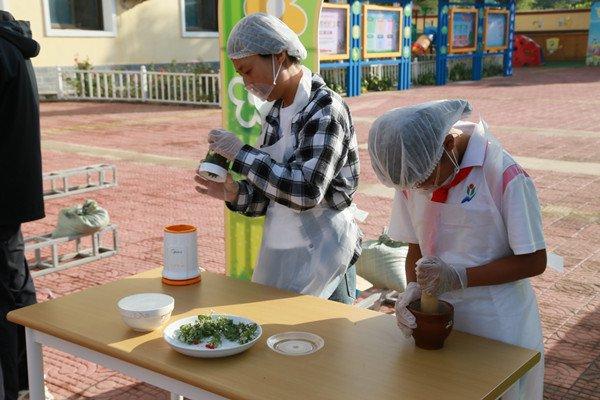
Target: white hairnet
<point>406,143</point>
<point>261,33</point>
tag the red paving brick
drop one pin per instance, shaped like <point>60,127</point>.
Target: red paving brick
<point>543,113</point>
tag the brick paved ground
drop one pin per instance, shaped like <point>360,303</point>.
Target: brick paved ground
<point>547,117</point>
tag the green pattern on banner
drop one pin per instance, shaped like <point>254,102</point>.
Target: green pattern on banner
<point>356,32</point>
<point>243,235</point>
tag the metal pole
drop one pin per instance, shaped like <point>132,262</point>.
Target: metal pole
<point>353,74</point>
<point>404,70</point>
<point>35,366</point>
<point>477,71</point>
<point>60,83</point>
<point>508,53</point>
<point>144,75</point>
<point>441,44</point>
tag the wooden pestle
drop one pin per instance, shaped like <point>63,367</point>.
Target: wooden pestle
<point>429,304</point>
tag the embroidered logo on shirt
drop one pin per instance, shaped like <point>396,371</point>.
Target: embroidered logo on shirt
<point>471,190</point>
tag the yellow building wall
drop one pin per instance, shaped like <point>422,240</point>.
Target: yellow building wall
<point>147,33</point>
<point>537,21</point>
<point>552,21</point>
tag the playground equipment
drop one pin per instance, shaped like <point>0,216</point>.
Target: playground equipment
<point>527,52</point>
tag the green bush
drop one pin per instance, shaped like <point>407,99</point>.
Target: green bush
<point>334,86</point>
<point>492,70</point>
<point>373,83</point>
<point>80,85</point>
<point>338,88</point>
<point>460,72</point>
<point>426,79</point>
<point>194,68</point>
<point>83,64</point>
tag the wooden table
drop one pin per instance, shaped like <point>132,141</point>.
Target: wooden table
<point>365,356</point>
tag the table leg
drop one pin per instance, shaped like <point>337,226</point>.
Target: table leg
<point>176,397</point>
<point>35,366</point>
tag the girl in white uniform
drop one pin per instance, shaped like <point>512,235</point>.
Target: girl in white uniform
<point>472,220</point>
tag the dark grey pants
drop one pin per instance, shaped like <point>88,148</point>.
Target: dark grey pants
<point>16,291</point>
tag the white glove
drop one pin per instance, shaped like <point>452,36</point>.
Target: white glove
<point>437,277</point>
<point>405,319</point>
<point>224,143</point>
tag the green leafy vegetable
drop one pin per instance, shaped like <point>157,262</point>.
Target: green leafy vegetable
<point>213,329</point>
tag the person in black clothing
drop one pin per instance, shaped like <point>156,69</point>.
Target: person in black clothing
<point>21,192</point>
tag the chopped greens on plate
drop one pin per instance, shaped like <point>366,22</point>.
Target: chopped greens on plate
<point>212,329</point>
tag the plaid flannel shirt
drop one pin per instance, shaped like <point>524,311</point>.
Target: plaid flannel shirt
<point>323,167</point>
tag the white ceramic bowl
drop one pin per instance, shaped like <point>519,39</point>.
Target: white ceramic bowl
<point>144,312</point>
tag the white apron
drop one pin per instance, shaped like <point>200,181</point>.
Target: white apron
<point>307,251</point>
<point>473,234</point>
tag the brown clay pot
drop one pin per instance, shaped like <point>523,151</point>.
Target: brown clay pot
<point>432,329</point>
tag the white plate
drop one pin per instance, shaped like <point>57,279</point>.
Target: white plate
<point>295,343</point>
<point>227,348</point>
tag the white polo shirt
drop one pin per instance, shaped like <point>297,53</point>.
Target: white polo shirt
<point>519,205</point>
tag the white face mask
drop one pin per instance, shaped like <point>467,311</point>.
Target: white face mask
<point>435,185</point>
<point>454,172</point>
<point>263,90</point>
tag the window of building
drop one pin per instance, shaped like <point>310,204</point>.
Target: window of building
<point>80,17</point>
<point>199,18</point>
<point>76,14</point>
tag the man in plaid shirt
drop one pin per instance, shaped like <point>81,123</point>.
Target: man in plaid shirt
<point>304,174</point>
